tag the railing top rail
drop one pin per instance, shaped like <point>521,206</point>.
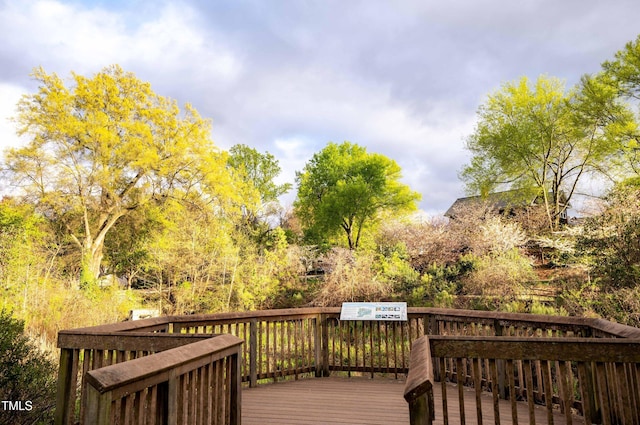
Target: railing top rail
<point>145,371</point>
<point>504,319</point>
<point>130,325</point>
<point>617,329</point>
<point>130,341</point>
<point>255,314</point>
<point>420,377</point>
<point>522,348</point>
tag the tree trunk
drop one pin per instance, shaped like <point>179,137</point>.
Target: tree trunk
<point>92,247</point>
<point>91,260</point>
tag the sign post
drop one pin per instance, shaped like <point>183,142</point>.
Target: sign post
<point>374,311</point>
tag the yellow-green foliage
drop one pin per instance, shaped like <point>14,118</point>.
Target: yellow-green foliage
<point>106,147</point>
<point>504,274</point>
<point>33,287</point>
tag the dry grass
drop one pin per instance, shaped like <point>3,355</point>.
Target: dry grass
<point>350,277</point>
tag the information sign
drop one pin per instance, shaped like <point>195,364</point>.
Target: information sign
<point>373,311</point>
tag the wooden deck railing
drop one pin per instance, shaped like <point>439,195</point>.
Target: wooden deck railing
<point>418,390</point>
<point>597,379</point>
<point>193,384</point>
<point>303,342</point>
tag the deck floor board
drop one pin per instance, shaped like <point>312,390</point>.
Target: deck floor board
<point>363,401</point>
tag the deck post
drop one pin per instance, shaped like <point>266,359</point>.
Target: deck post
<point>253,353</point>
<point>98,406</point>
<point>421,411</point>
<point>235,414</point>
<point>418,391</point>
<point>66,392</point>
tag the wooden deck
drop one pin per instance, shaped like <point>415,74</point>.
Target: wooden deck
<point>362,401</point>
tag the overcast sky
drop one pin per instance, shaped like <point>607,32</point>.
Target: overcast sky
<point>403,78</point>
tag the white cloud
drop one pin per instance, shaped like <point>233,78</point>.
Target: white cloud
<point>175,45</point>
<point>63,38</point>
<point>10,95</point>
<point>403,79</point>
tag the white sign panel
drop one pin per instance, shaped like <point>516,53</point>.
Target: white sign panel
<point>373,311</point>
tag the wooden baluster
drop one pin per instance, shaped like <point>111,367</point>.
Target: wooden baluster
<point>512,391</point>
<point>545,366</point>
<point>443,385</point>
<point>460,385</point>
<point>379,345</point>
<point>529,390</point>
<point>565,385</point>
<point>493,372</point>
<point>587,393</point>
<point>371,350</point>
<point>476,371</point>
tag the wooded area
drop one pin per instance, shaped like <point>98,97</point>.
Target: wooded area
<point>121,200</point>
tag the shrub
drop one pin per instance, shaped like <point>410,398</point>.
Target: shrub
<point>26,376</point>
<point>439,285</point>
<point>425,243</point>
<point>350,277</point>
<point>501,275</point>
<point>397,271</point>
<point>612,240</point>
<point>588,300</point>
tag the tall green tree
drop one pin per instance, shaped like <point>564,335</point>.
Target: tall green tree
<point>343,188</point>
<point>625,69</point>
<point>622,76</point>
<point>258,171</point>
<point>539,138</point>
<point>104,147</point>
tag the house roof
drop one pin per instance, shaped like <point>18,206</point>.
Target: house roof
<point>499,200</point>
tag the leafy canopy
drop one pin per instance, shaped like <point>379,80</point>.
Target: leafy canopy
<point>622,77</point>
<point>259,170</point>
<point>625,69</point>
<point>106,146</point>
<point>343,188</point>
<point>543,140</point>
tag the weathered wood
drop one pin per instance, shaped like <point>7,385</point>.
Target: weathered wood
<point>548,392</point>
<point>357,401</point>
<point>130,341</point>
<point>66,384</point>
<point>253,353</point>
<point>184,369</point>
<point>292,342</point>
<point>431,314</point>
<point>235,394</point>
<point>495,392</point>
<point>420,375</point>
<point>576,349</point>
<point>134,374</point>
<point>566,389</point>
<point>528,377</point>
<point>98,407</point>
